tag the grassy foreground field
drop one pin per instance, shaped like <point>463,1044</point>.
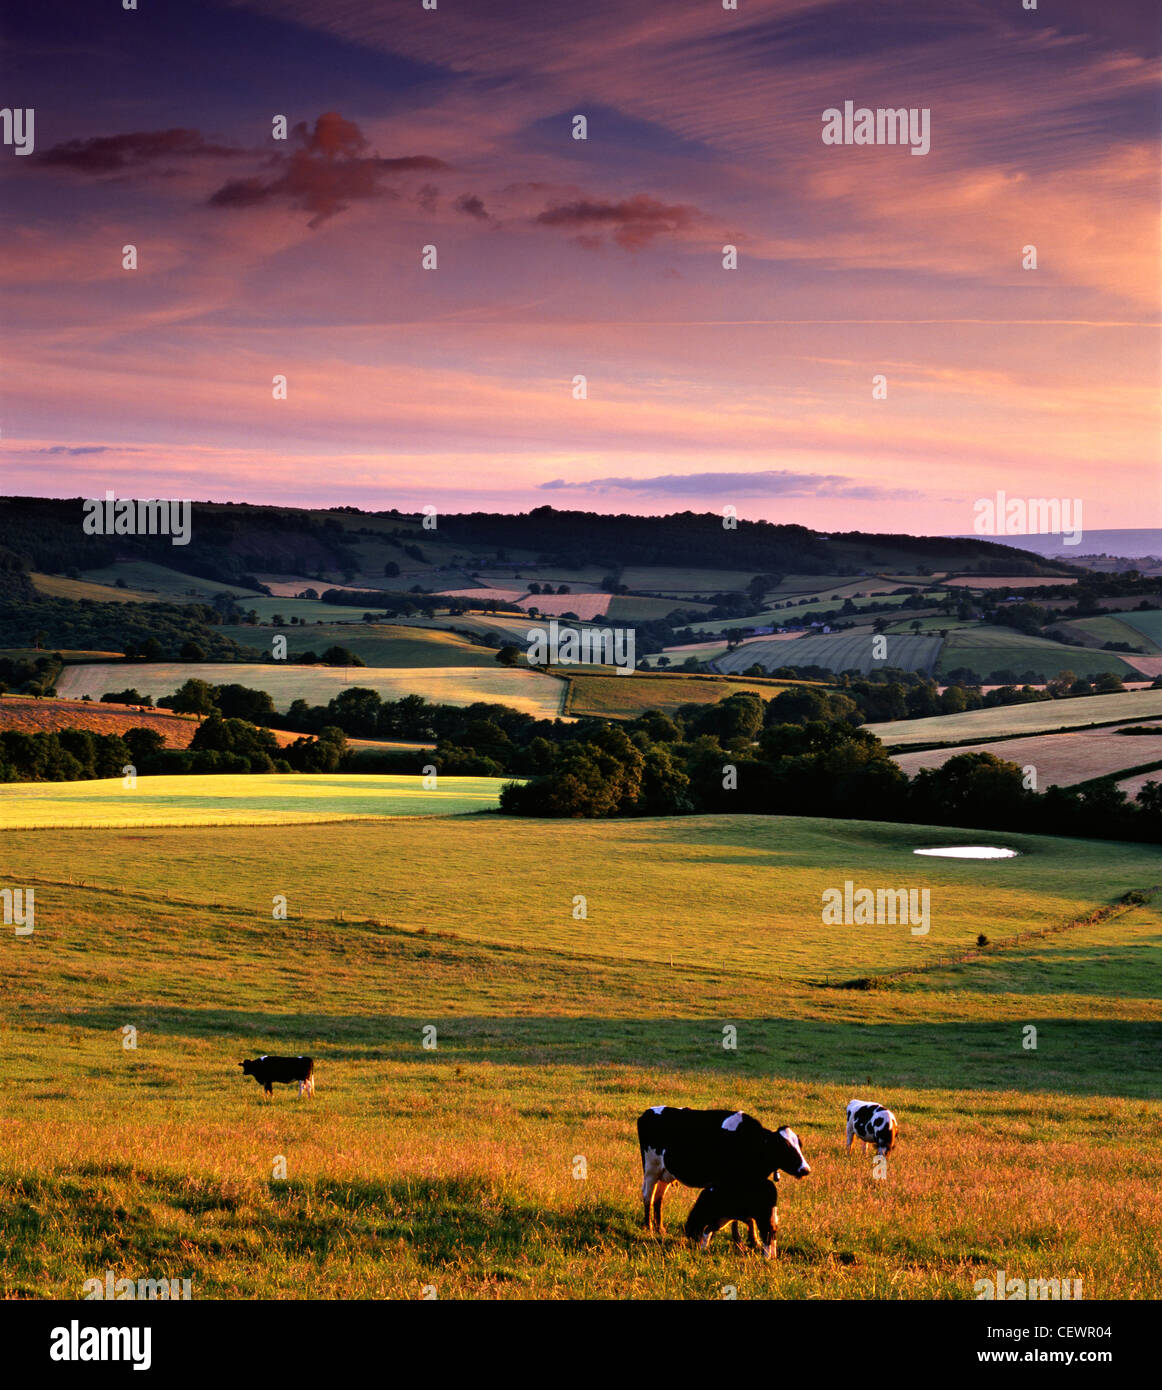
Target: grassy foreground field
<point>243,799</point>
<point>502,1162</point>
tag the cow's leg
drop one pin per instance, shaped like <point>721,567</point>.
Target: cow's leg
<point>736,1235</point>
<point>659,1193</point>
<point>850,1135</point>
<point>652,1169</point>
<point>752,1238</point>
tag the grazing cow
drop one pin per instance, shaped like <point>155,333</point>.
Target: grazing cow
<point>267,1070</point>
<point>753,1202</point>
<point>708,1148</point>
<point>874,1124</point>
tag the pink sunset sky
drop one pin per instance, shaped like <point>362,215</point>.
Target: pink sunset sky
<point>603,257</point>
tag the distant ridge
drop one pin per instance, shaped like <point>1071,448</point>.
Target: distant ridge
<point>1131,542</point>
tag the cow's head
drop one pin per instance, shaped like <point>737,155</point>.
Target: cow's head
<point>885,1131</point>
<point>786,1153</point>
<point>248,1067</point>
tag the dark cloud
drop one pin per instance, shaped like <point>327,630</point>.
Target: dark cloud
<point>633,222</point>
<point>769,482</point>
<point>73,451</point>
<point>111,154</point>
<point>324,172</point>
<point>473,205</point>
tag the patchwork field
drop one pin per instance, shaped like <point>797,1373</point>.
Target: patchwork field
<point>1015,581</point>
<point>1108,628</point>
<point>162,585</point>
<point>247,799</point>
<point>48,716</point>
<point>530,691</point>
<point>844,651</point>
<point>603,693</point>
<point>588,607</point>
<point>554,1033</point>
<point>57,586</point>
<point>1060,759</point>
<point>987,649</point>
<point>1044,715</point>
<point>378,644</point>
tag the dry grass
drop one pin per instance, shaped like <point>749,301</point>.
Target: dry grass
<point>50,716</point>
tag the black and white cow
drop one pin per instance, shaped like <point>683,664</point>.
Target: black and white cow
<point>708,1148</point>
<point>873,1123</point>
<point>754,1203</point>
<point>266,1070</point>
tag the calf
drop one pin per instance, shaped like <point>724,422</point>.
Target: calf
<point>753,1202</point>
<point>267,1070</point>
<point>874,1124</point>
<point>709,1148</point>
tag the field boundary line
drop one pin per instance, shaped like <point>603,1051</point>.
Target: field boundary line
<point>336,918</point>
<point>1130,900</point>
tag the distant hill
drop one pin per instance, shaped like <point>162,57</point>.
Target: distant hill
<point>1130,543</point>
<point>234,542</point>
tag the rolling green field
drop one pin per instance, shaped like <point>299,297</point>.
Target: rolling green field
<point>1147,625</point>
<point>378,644</point>
<point>1141,630</point>
<point>521,689</point>
<point>1110,628</point>
<point>57,586</point>
<point>987,649</point>
<point>1039,717</point>
<point>638,608</point>
<point>240,799</point>
<point>553,1033</point>
<point>162,585</point>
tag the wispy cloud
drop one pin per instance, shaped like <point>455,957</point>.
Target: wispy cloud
<point>632,222</point>
<point>767,483</point>
<point>134,150</point>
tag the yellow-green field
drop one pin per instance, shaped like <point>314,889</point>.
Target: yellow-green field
<point>378,644</point>
<point>1035,718</point>
<point>57,586</point>
<point>502,1162</point>
<point>603,693</point>
<point>242,799</point>
<point>531,692</point>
